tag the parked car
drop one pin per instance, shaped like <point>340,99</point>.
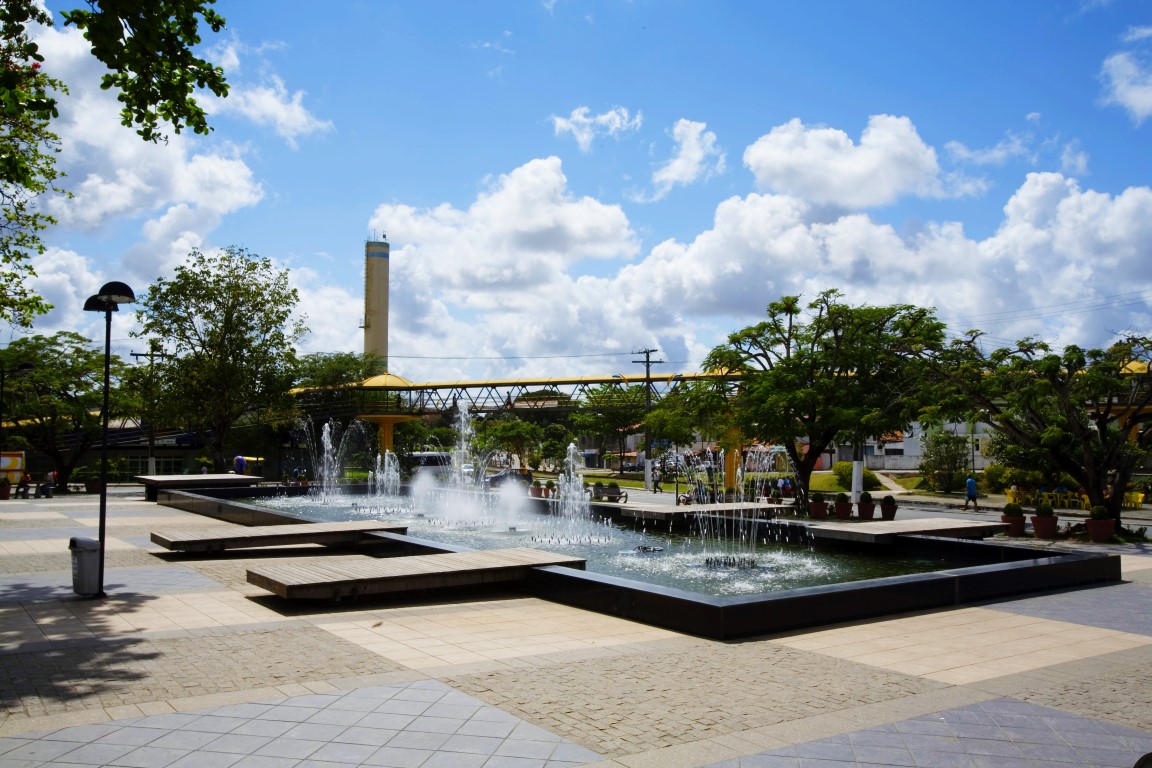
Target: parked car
<point>521,476</point>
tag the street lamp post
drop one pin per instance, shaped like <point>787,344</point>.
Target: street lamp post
<point>108,300</point>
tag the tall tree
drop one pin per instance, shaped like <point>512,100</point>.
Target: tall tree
<point>147,48</point>
<point>1088,412</point>
<point>27,159</point>
<point>511,434</point>
<point>609,414</point>
<point>228,315</point>
<point>55,407</point>
<point>834,371</point>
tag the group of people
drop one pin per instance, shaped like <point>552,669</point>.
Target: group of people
<point>42,489</point>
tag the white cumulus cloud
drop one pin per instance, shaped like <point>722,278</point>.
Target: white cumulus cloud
<point>270,104</point>
<point>696,157</point>
<point>586,127</point>
<point>825,166</point>
<point>1128,84</point>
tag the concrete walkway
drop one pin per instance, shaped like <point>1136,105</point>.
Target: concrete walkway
<point>184,664</point>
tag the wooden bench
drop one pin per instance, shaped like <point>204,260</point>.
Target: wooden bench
<point>603,493</point>
<point>219,538</point>
<point>346,578</point>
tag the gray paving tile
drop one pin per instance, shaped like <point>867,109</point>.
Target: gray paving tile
<point>260,761</point>
<point>314,732</point>
<point>96,754</point>
<point>131,735</point>
<point>398,757</point>
<point>480,745</point>
<point>151,757</point>
<point>1123,607</point>
<point>284,747</point>
<point>344,753</point>
<point>237,743</point>
<point>1031,736</point>
<point>40,749</point>
<point>376,737</point>
<point>272,728</point>
<point>529,749</point>
<point>185,739</point>
<point>207,760</point>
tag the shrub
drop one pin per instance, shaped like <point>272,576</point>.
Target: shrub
<point>865,497</point>
<point>1044,509</point>
<point>843,472</point>
<point>1099,512</point>
<point>1013,510</point>
<point>994,477</point>
<point>817,496</point>
<point>888,501</point>
<point>841,498</point>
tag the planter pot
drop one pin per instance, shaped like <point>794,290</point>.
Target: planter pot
<point>92,486</point>
<point>1100,531</point>
<point>843,510</point>
<point>1045,527</point>
<point>1015,524</point>
<point>888,511</point>
<point>535,492</point>
<point>818,510</point>
<point>5,492</point>
<point>865,510</point>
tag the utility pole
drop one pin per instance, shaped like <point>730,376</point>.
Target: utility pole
<point>151,354</point>
<point>647,362</point>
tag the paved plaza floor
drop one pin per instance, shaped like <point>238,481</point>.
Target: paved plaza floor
<point>185,664</point>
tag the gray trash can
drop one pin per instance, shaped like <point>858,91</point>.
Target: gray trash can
<point>85,565</point>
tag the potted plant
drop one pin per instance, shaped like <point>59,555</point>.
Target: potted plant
<point>843,507</point>
<point>550,489</point>
<point>90,479</point>
<point>865,508</point>
<point>1101,525</point>
<point>729,495</point>
<point>888,508</point>
<point>1045,522</point>
<point>537,490</point>
<point>5,487</point>
<point>1013,515</point>
<point>817,507</point>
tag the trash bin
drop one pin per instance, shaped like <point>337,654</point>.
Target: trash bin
<point>85,565</point>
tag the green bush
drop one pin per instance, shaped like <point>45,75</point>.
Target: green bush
<point>817,497</point>
<point>843,472</point>
<point>888,501</point>
<point>1099,512</point>
<point>865,497</point>
<point>1012,509</point>
<point>841,498</point>
<point>1044,509</point>
<point>994,478</point>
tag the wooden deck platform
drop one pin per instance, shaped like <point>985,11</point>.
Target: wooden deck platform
<point>221,537</point>
<point>885,531</point>
<point>399,574</point>
<point>153,484</point>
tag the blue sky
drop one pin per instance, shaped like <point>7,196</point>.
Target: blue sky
<point>564,182</point>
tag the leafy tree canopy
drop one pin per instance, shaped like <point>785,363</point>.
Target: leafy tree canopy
<point>229,316</point>
<point>147,48</point>
<point>1086,413</point>
<point>824,371</point>
<point>55,407</point>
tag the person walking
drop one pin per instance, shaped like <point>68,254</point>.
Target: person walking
<point>970,494</point>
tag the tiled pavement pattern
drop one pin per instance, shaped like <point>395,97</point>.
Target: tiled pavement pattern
<point>186,664</point>
<point>424,723</point>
